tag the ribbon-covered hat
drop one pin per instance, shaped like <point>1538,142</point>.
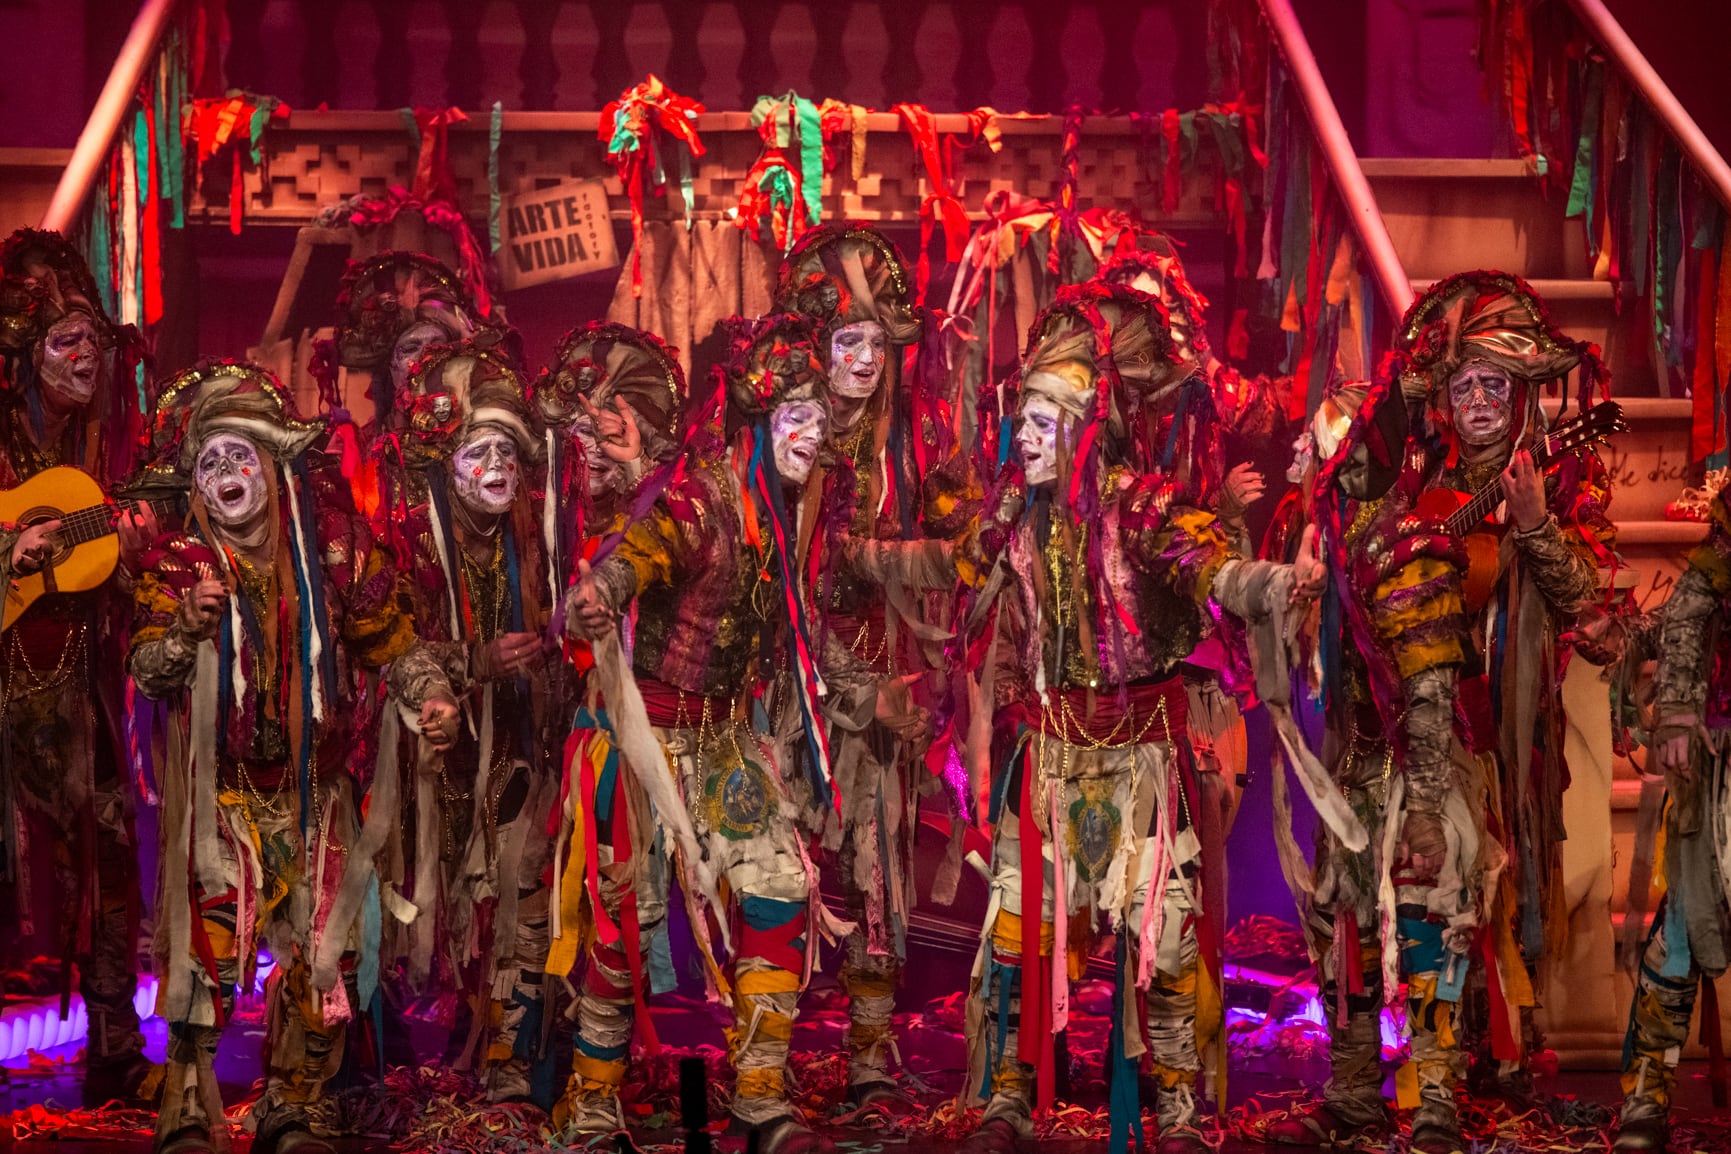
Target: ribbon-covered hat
<point>1098,334</point>
<point>1488,316</point>
<point>600,361</point>
<point>844,274</point>
<point>384,297</point>
<point>771,361</point>
<point>44,280</point>
<point>225,396</point>
<point>457,389</point>
<point>1158,271</point>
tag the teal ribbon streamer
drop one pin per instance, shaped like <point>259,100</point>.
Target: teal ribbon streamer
<point>173,154</point>
<point>367,968</point>
<point>1581,187</point>
<point>141,163</point>
<point>409,125</point>
<point>494,131</point>
<point>102,252</point>
<point>1125,1098</point>
<point>255,127</point>
<point>810,157</point>
<point>624,140</point>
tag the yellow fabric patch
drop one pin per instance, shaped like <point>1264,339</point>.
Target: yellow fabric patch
<point>1210,1011</point>
<point>221,939</point>
<point>765,982</point>
<point>864,986</point>
<point>1007,934</point>
<point>773,1028</point>
<point>1406,1086</point>
<point>763,1082</point>
<point>597,1075</point>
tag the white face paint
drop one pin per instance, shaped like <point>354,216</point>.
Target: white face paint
<point>71,362</point>
<point>603,471</point>
<point>797,430</point>
<point>484,471</point>
<point>1038,439</point>
<point>230,477</point>
<point>416,339</point>
<point>1480,400</point>
<point>857,355</point>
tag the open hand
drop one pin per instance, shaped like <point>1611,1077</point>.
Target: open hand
<point>616,432</point>
<point>439,722</point>
<point>35,545</point>
<point>1524,490</point>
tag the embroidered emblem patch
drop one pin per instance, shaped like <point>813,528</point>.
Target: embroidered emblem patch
<point>740,799</point>
<point>1092,834</point>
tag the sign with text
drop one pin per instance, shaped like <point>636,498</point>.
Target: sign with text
<point>555,233</point>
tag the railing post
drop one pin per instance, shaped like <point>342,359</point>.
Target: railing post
<point>1337,152</point>
<point>1608,33</point>
<point>117,94</point>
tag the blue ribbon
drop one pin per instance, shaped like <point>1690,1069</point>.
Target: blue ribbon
<point>1125,1096</point>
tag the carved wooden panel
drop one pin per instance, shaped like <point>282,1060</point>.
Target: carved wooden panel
<point>320,158</point>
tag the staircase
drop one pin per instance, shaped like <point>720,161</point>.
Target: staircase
<point>1447,216</point>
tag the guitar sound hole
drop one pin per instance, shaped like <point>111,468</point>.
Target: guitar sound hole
<point>62,548</point>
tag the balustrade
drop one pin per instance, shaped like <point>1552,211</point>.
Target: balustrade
<point>1114,55</point>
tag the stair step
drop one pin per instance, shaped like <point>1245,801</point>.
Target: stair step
<point>1446,214</point>
<point>1660,534</point>
<point>1443,167</point>
<point>1554,291</point>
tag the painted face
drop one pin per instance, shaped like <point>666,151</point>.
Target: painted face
<point>230,477</point>
<point>416,339</point>
<point>1038,439</point>
<point>603,470</point>
<point>71,362</point>
<point>857,355</point>
<point>484,469</point>
<point>797,429</point>
<point>1479,398</point>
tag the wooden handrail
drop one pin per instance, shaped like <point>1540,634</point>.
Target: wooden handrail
<point>118,92</point>
<point>1634,66</point>
<point>1338,154</point>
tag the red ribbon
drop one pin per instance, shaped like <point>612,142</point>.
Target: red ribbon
<point>640,110</point>
<point>643,1020</point>
<point>940,204</point>
<point>151,256</point>
<point>1034,1041</point>
<point>1172,186</point>
<point>433,177</point>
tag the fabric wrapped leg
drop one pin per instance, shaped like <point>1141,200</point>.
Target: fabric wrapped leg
<point>1658,1029</point>
<point>870,981</point>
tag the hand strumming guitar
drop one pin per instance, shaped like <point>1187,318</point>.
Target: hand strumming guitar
<point>33,548</point>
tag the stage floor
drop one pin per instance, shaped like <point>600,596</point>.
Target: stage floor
<point>52,1081</point>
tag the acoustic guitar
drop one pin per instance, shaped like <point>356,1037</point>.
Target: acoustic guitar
<point>1467,515</point>
<point>86,547</point>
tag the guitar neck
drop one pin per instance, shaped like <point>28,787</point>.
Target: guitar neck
<point>81,526</point>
